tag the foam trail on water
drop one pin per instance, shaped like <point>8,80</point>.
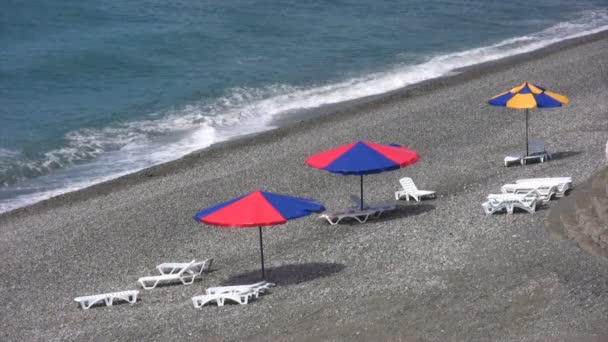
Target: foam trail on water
<point>90,156</point>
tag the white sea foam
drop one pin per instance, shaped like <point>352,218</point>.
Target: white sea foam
<point>91,156</point>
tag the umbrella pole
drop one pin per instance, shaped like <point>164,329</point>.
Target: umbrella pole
<point>361,192</point>
<point>262,253</point>
<point>526,132</point>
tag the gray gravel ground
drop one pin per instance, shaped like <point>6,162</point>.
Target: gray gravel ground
<point>435,271</point>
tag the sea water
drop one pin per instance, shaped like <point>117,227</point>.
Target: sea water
<point>92,90</point>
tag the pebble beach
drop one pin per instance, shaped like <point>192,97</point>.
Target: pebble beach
<point>436,270</point>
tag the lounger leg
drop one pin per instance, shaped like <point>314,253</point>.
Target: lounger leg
<point>363,220</point>
<point>143,284</point>
<point>90,304</point>
<point>153,286</point>
<point>486,209</point>
<point>186,281</point>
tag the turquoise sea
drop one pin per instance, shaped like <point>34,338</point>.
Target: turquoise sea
<point>91,90</point>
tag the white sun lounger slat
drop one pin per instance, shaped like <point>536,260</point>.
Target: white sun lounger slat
<point>220,298</point>
<point>410,190</point>
<point>108,298</point>
<point>508,202</point>
<point>175,267</point>
<point>256,288</point>
<point>360,216</point>
<point>546,179</point>
<point>562,184</point>
<point>186,276</point>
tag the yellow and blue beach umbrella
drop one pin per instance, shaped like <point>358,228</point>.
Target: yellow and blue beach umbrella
<point>526,96</point>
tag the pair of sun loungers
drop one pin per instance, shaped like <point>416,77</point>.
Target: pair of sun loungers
<point>527,194</point>
<point>537,152</point>
<point>239,294</point>
<point>409,191</point>
<point>169,272</point>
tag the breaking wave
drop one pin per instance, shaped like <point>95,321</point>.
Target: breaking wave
<point>90,156</point>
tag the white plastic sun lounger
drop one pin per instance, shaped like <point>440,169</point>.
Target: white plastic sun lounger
<point>410,190</point>
<point>255,289</point>
<point>175,267</point>
<point>220,298</point>
<point>499,202</point>
<point>360,216</point>
<point>108,298</point>
<point>536,151</point>
<point>186,276</point>
<point>562,184</point>
<point>356,201</point>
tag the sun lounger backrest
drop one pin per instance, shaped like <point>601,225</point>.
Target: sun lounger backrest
<point>408,184</point>
<point>537,146</point>
<point>207,264</point>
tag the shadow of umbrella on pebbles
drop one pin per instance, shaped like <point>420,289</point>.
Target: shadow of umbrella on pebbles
<point>291,274</point>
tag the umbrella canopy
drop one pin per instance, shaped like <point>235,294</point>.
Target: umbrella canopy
<point>258,209</point>
<point>362,158</point>
<point>526,96</point>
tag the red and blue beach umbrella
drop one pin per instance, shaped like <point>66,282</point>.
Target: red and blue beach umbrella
<point>258,209</point>
<point>526,96</point>
<point>363,158</point>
